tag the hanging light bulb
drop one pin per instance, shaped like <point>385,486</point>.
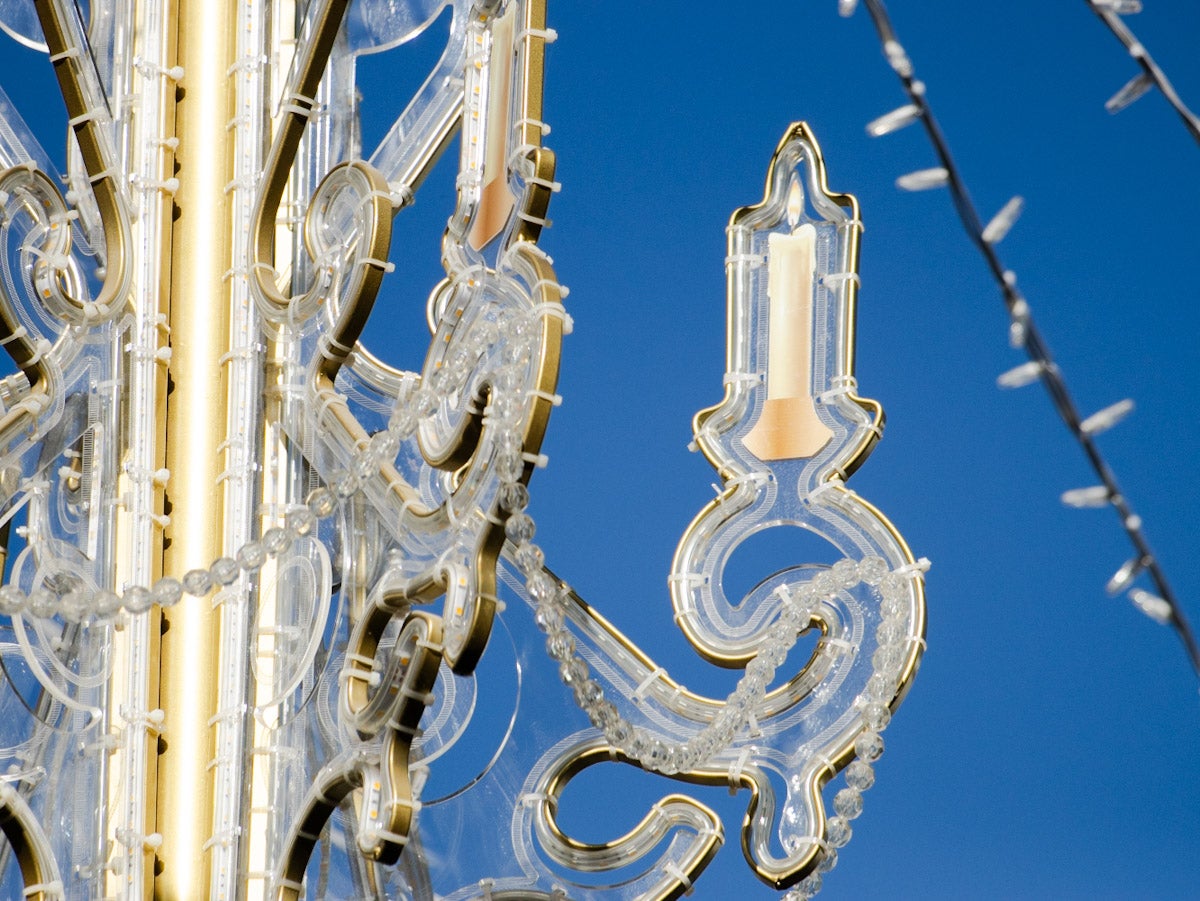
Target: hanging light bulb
<point>846,8</point>
<point>1120,7</point>
<point>923,179</point>
<point>1124,576</point>
<point>1134,90</point>
<point>899,118</point>
<point>1003,221</point>
<point>1105,419</point>
<point>1151,605</point>
<point>1081,498</point>
<point>1020,376</point>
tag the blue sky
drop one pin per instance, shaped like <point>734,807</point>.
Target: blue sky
<point>1049,747</point>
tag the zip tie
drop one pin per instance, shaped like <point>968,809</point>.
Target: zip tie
<point>69,53</point>
<point>538,460</point>
<point>549,35</point>
<point>687,579</point>
<point>536,123</point>
<point>820,757</point>
<point>247,63</point>
<point>388,836</point>
<point>290,884</point>
<point>385,265</point>
<point>55,888</point>
<point>837,279</point>
<point>754,260</point>
<point>639,693</point>
<point>539,285</point>
<point>920,565</point>
<point>554,186</point>
<point>17,334</point>
<point>848,648</point>
<point>737,769</point>
<point>746,378</point>
<point>672,869</point>
<point>84,118</point>
<point>821,489</point>
<point>534,220</point>
<point>555,400</point>
<point>753,730</point>
<point>109,173</point>
<point>224,838</point>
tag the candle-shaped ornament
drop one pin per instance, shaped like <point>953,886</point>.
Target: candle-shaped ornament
<point>496,201</point>
<point>789,427</point>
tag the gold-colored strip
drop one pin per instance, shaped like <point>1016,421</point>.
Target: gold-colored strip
<point>196,408</point>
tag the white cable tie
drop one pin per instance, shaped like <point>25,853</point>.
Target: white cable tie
<point>643,688</point>
<point>49,889</point>
<point>375,263</point>
<point>536,123</point>
<point>831,395</point>
<point>82,118</point>
<point>827,485</point>
<point>291,885</point>
<point>687,579</point>
<point>835,280</point>
<point>841,645</point>
<point>17,334</point>
<point>541,461</point>
<point>920,565</point>
<point>745,378</point>
<point>737,768</point>
<point>554,285</point>
<point>549,35</point>
<point>534,220</point>
<point>671,868</point>
<point>528,799</point>
<point>555,400</point>
<point>111,173</point>
<point>549,184</point>
<point>69,53</point>
<point>753,260</point>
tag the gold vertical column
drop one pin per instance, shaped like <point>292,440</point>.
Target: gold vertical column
<point>196,417</point>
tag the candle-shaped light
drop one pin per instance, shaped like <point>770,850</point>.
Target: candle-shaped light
<point>496,201</point>
<point>788,427</point>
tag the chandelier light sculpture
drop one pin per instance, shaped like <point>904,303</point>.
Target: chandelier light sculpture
<point>274,621</point>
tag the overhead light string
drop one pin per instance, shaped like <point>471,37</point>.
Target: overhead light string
<point>1162,606</point>
<point>1110,12</point>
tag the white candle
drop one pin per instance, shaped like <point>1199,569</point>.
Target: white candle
<point>791,264</point>
<point>496,200</point>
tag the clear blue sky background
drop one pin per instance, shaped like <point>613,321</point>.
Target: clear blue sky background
<point>1049,746</point>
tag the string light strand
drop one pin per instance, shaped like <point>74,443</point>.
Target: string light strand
<point>1109,12</point>
<point>1024,331</point>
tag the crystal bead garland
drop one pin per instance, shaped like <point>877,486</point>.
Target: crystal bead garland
<point>80,603</point>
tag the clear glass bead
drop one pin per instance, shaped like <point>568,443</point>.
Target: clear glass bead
<point>824,583</point>
<point>845,572</point>
<point>301,521</point>
<point>520,528</point>
<point>541,587</point>
<point>251,556</point>
<point>869,746</point>
<point>106,604</point>
<point>888,659</point>
<point>827,862</point>
<point>560,646</point>
<point>41,603</point>
<point>224,571</point>
<point>872,569</point>
<point>876,716</point>
<point>588,693</point>
<point>838,832</point>
<point>529,558</point>
<point>509,466</point>
<point>894,606</point>
<point>197,582</point>
<point>12,600</point>
<point>881,688</point>
<point>572,672</point>
<point>848,803</point>
<point>618,733</point>
<point>166,592</point>
<point>402,424</point>
<point>138,599</point>
<point>548,617</point>
<point>322,502</point>
<point>891,630</point>
<point>513,497</point>
<point>275,541</point>
<point>860,775</point>
<point>810,885</point>
<point>75,605</point>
